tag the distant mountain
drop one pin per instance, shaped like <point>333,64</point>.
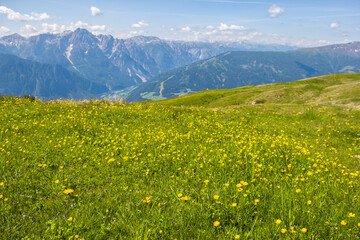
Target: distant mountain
<point>116,63</point>
<point>20,77</point>
<point>239,68</point>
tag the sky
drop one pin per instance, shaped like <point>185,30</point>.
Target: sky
<point>302,23</point>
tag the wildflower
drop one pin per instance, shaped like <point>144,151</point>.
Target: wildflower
<point>1,183</point>
<point>343,223</point>
<point>5,199</point>
<point>237,237</point>
<point>359,224</point>
<point>57,181</point>
<point>298,190</point>
<point>216,197</point>
<point>161,231</point>
<point>111,160</point>
<point>147,200</point>
<point>278,221</point>
<point>180,195</point>
<point>351,215</point>
<point>68,191</point>
<point>185,198</point>
<point>283,230</point>
<point>206,182</point>
<point>1,196</point>
<point>216,223</point>
<point>234,204</point>
<point>76,236</point>
<point>308,202</point>
<point>303,230</point>
<point>70,219</point>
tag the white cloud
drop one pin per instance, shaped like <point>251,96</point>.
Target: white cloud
<point>140,24</point>
<point>29,29</point>
<point>357,29</point>
<point>16,16</point>
<point>334,25</point>
<point>224,27</point>
<point>51,28</point>
<point>4,31</point>
<point>92,28</point>
<point>275,11</point>
<point>186,29</point>
<point>95,11</point>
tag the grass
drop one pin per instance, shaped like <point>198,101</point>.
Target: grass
<point>107,170</point>
<point>338,89</point>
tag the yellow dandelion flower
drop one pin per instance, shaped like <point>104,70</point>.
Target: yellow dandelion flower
<point>57,181</point>
<point>237,237</point>
<point>70,219</point>
<point>234,204</point>
<point>1,196</point>
<point>6,199</point>
<point>180,195</point>
<point>216,197</point>
<point>68,191</point>
<point>76,236</point>
<point>308,202</point>
<point>216,223</point>
<point>278,221</point>
<point>161,231</point>
<point>343,223</point>
<point>186,198</point>
<point>351,215</point>
<point>283,230</point>
<point>1,183</point>
<point>206,182</point>
<point>298,190</point>
<point>147,200</point>
<point>303,230</point>
<point>359,224</point>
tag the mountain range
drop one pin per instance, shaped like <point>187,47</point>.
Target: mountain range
<point>21,77</point>
<point>240,68</point>
<point>88,66</point>
<point>114,63</point>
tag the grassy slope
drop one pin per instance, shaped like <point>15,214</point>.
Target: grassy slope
<point>338,89</point>
<point>142,171</point>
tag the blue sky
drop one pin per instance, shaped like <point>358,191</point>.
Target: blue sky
<point>300,23</point>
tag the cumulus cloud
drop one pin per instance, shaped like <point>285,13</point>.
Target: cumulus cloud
<point>275,11</point>
<point>18,17</point>
<point>92,28</point>
<point>29,29</point>
<point>225,27</point>
<point>334,25</point>
<point>4,31</point>
<point>140,24</point>
<point>186,29</point>
<point>95,11</point>
<point>51,28</point>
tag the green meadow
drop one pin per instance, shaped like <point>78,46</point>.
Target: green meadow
<point>220,169</point>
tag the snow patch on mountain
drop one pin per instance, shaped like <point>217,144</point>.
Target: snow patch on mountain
<point>68,55</point>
